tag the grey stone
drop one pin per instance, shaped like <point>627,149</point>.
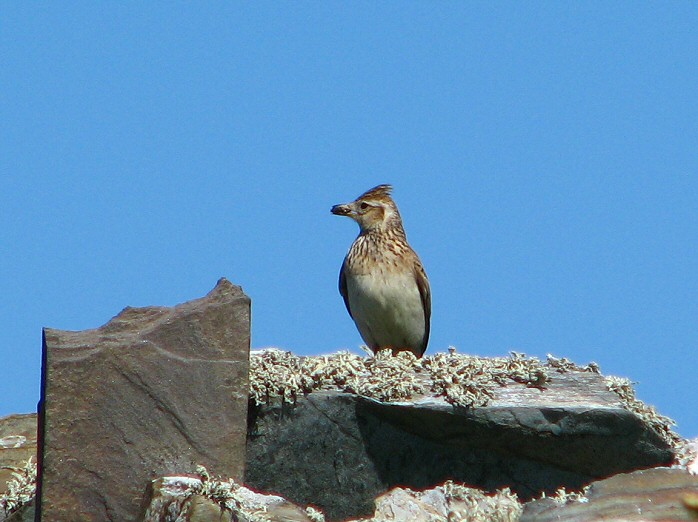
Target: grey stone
<point>448,502</point>
<point>155,391</point>
<point>339,451</point>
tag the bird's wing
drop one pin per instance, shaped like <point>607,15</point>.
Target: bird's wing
<point>343,286</point>
<point>425,294</point>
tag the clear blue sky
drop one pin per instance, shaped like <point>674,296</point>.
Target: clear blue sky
<point>544,157</point>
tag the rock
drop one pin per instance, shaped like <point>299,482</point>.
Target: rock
<point>338,431</point>
<point>448,502</point>
<point>155,391</point>
<point>653,494</point>
<point>416,506</point>
<point>191,499</point>
<point>17,444</point>
<point>202,509</point>
<point>315,453</point>
<point>339,451</point>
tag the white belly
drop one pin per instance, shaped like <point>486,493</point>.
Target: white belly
<point>387,309</point>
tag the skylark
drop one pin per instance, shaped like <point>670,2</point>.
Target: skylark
<point>382,281</point>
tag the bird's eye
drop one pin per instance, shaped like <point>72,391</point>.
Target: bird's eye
<point>363,206</point>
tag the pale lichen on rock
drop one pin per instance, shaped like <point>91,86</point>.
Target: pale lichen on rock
<point>474,505</point>
<point>470,381</point>
<point>463,380</point>
<point>21,489</point>
<point>179,497</point>
<point>565,365</point>
<point>562,496</point>
<point>388,378</point>
<point>659,423</point>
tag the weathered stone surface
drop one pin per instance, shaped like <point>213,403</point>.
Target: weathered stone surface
<point>417,506</point>
<point>319,440</point>
<point>348,449</point>
<point>653,494</point>
<point>17,444</point>
<point>445,503</point>
<point>155,391</point>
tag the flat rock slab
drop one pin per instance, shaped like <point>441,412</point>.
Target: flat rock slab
<point>350,449</point>
<point>154,392</point>
<point>652,494</point>
<point>574,424</point>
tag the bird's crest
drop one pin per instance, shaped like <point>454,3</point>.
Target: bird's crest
<point>381,192</point>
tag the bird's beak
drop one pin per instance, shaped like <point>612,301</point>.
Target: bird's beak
<point>341,210</point>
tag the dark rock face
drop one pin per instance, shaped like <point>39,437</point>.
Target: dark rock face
<point>652,494</point>
<point>339,451</point>
<point>314,453</point>
<point>153,392</point>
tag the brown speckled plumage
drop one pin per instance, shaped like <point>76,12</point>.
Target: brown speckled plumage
<point>382,280</point>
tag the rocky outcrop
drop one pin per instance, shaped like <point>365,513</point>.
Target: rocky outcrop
<point>155,391</point>
<point>340,437</point>
<point>551,426</point>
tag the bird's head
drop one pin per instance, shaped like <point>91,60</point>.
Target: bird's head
<point>372,210</point>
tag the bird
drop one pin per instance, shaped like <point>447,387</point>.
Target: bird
<point>382,281</point>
